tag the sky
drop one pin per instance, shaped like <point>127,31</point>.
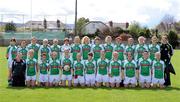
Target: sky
<point>147,12</point>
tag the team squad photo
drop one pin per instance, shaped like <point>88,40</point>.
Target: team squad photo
<point>90,63</point>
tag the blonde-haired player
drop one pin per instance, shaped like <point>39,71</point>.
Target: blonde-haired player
<point>57,48</point>
<point>140,48</point>
<point>102,71</point>
<point>45,49</point>
<point>76,47</point>
<point>86,47</point>
<point>108,47</point>
<point>154,47</point>
<point>54,70</point>
<point>67,70</point>
<point>31,69</point>
<point>158,68</point>
<point>79,71</point>
<point>115,72</point>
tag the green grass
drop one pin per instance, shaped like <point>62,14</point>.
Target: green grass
<point>8,94</point>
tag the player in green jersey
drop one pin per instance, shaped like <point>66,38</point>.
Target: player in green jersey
<point>43,71</point>
<point>115,71</point>
<point>97,48</point>
<point>66,63</point>
<point>145,65</point>
<point>34,46</point>
<point>23,49</point>
<point>154,47</point>
<point>158,71</point>
<point>45,49</point>
<point>54,70</point>
<point>108,47</point>
<point>120,48</point>
<point>55,47</point>
<point>90,70</point>
<point>140,48</point>
<point>11,55</point>
<point>76,47</point>
<point>79,71</point>
<point>130,72</point>
<point>86,47</point>
<point>65,45</point>
<point>130,47</point>
<point>102,71</point>
<point>31,69</point>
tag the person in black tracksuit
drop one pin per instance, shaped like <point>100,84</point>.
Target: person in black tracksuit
<point>166,54</point>
<point>18,71</point>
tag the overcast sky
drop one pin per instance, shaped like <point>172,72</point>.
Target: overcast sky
<point>147,12</point>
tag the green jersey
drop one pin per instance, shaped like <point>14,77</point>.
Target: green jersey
<point>43,66</point>
<point>120,48</point>
<point>108,48</point>
<point>90,67</point>
<point>86,48</point>
<point>102,66</point>
<point>45,50</point>
<point>35,47</point>
<point>78,68</point>
<point>97,51</point>
<point>54,67</point>
<point>66,61</point>
<point>158,69</point>
<point>145,67</point>
<point>12,52</point>
<point>31,66</point>
<point>130,68</point>
<point>115,68</point>
<point>76,48</point>
<point>24,51</point>
<point>57,49</point>
<point>131,49</point>
<point>139,50</point>
<point>153,49</point>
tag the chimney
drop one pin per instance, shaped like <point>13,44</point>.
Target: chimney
<point>110,23</point>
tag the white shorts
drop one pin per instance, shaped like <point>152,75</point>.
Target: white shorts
<point>54,78</point>
<point>66,77</point>
<point>115,79</point>
<point>144,79</point>
<point>31,78</point>
<point>102,78</point>
<point>158,81</point>
<point>10,64</point>
<point>79,79</point>
<point>43,78</point>
<point>128,80</point>
<point>90,78</point>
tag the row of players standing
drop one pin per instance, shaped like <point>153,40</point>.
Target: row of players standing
<point>86,47</point>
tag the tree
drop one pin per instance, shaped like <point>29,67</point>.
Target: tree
<point>58,23</point>
<point>10,27</point>
<point>145,32</point>
<point>167,23</point>
<point>173,39</point>
<point>45,24</point>
<point>116,31</point>
<point>134,29</point>
<point>81,21</point>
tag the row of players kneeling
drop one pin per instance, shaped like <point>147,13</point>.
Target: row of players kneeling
<point>95,81</point>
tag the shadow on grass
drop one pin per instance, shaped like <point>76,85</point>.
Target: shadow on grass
<point>95,88</point>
